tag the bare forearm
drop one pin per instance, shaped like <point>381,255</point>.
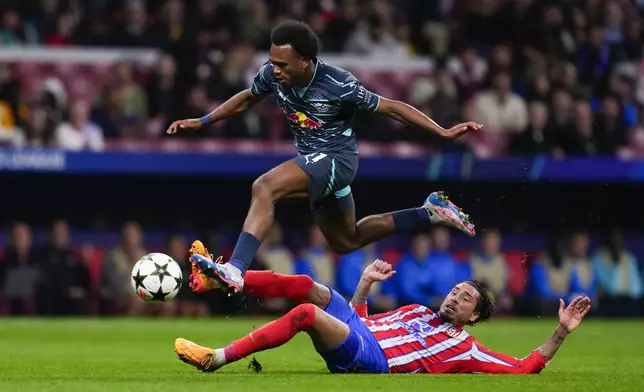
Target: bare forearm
<point>411,116</point>
<point>362,292</point>
<point>237,104</point>
<point>550,347</point>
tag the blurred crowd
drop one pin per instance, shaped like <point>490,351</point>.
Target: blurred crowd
<point>58,278</point>
<point>546,77</point>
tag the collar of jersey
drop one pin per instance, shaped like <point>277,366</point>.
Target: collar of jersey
<point>300,91</point>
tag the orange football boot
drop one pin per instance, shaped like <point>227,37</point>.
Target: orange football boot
<point>203,358</point>
<point>198,281</point>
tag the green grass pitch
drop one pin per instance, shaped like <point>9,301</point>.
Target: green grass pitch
<point>136,355</point>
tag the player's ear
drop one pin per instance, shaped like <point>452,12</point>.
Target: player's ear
<point>474,316</point>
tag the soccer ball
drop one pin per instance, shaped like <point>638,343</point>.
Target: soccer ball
<point>156,277</point>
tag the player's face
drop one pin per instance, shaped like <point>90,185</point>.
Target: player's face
<point>288,66</point>
<point>459,305</point>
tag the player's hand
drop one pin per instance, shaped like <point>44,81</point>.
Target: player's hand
<point>461,129</point>
<point>193,123</point>
<point>571,316</point>
<point>378,271</point>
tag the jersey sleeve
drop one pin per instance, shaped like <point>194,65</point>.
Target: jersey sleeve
<point>263,81</point>
<point>357,96</point>
<point>482,360</point>
<point>361,310</point>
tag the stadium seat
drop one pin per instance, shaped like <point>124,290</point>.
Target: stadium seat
<point>518,272</point>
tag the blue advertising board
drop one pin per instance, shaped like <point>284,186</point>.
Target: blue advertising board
<point>447,167</point>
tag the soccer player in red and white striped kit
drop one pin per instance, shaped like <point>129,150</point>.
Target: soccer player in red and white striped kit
<point>411,339</point>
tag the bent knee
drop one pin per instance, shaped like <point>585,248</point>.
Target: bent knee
<point>264,187</point>
<point>303,316</point>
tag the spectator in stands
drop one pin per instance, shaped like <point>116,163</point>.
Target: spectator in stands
<point>445,272</point>
<point>340,27</point>
<point>577,137</point>
<point>445,103</point>
<point>583,277</point>
<point>610,128</point>
<point>539,137</point>
<point>37,132</point>
<point>116,292</point>
<point>414,274</point>
<point>489,266</point>
<point>382,297</point>
<point>16,32</point>
<point>500,109</point>
<point>316,260</point>
<point>186,303</point>
<point>65,27</point>
<point>107,114</point>
<point>257,25</point>
<point>195,105</point>
<point>470,70</point>
<point>376,37</point>
<point>79,133</point>
<point>9,103</point>
<point>133,100</point>
<point>134,31</point>
<point>163,88</point>
<point>19,272</point>
<point>538,89</point>
<point>551,277</point>
<point>44,17</point>
<point>68,292</point>
<point>593,57</point>
<point>620,282</point>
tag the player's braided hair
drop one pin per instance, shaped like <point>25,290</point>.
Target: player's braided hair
<point>484,304</point>
<point>299,35</point>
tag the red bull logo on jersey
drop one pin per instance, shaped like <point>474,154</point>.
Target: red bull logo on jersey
<point>303,120</point>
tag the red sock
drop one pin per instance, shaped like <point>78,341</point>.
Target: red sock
<point>269,284</point>
<point>273,334</point>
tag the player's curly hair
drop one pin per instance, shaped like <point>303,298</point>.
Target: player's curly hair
<point>299,35</point>
<point>484,304</point>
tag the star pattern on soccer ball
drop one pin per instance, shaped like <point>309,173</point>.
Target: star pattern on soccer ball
<point>138,279</point>
<point>159,295</point>
<point>161,270</point>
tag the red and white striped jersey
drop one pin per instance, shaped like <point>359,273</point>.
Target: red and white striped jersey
<point>415,340</point>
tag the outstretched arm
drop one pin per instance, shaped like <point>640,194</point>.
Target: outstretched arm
<point>411,116</point>
<point>569,319</point>
<point>482,360</point>
<point>237,104</point>
<point>377,271</point>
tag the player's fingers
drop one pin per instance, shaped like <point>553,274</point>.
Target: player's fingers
<point>390,274</point>
<point>561,304</point>
<point>585,312</point>
<point>575,301</point>
<point>582,304</point>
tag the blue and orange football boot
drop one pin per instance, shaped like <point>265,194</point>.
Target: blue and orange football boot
<point>199,282</point>
<point>444,212</point>
<point>209,273</point>
<point>226,276</point>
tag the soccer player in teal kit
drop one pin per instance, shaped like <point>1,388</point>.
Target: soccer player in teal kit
<point>320,102</point>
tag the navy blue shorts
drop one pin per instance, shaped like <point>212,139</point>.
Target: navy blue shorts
<point>330,176</point>
<point>360,353</point>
